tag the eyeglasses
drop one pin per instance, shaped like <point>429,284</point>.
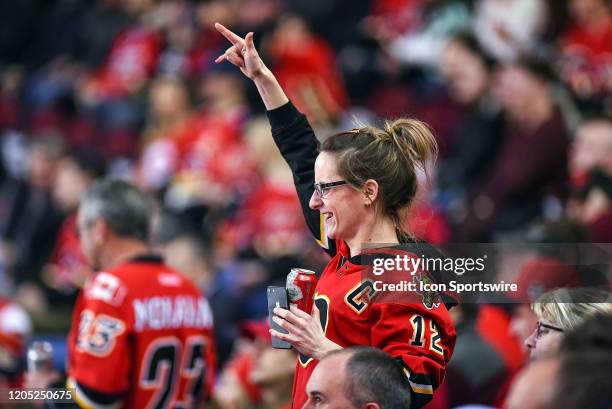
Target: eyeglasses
<point>540,326</point>
<point>322,188</point>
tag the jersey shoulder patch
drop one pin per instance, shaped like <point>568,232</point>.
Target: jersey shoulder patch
<point>106,287</point>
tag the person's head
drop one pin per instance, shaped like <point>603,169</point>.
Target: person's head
<point>358,378</point>
<point>561,310</point>
<point>584,380</point>
<point>273,370</point>
<point>583,11</point>
<point>189,255</point>
<point>222,90</point>
<point>579,376</point>
<point>586,357</point>
<point>521,85</point>
<point>169,98</point>
<point>75,172</point>
<point>592,333</point>
<point>111,211</point>
<point>535,387</point>
<point>376,174</point>
<point>466,67</point>
<point>137,7</point>
<point>592,147</point>
<point>268,158</point>
<point>522,322</point>
<point>291,29</point>
<point>559,239</point>
<point>538,275</point>
<point>44,154</point>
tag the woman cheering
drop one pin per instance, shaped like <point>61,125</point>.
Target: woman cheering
<point>353,189</point>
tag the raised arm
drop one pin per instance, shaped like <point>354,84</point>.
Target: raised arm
<point>243,55</point>
<point>291,131</point>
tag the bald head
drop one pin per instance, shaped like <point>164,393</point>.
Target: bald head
<point>326,385</point>
<point>359,377</point>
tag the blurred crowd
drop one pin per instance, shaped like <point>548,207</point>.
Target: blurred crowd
<point>518,93</point>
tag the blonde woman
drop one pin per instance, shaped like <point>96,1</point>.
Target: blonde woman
<point>561,310</point>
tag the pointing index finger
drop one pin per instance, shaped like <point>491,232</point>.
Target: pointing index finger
<point>229,34</point>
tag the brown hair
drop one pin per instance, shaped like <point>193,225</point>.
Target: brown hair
<point>390,156</point>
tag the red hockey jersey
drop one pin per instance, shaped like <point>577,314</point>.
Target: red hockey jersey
<point>418,334</point>
<point>141,337</point>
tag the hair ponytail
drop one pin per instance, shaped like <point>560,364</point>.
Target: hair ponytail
<point>415,141</point>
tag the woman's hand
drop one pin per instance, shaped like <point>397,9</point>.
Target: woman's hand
<point>305,331</point>
<point>243,55</point>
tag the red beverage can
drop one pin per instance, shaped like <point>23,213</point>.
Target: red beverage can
<point>301,284</point>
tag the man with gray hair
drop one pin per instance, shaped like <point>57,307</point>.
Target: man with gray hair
<point>358,378</point>
<point>141,333</point>
<point>113,223</point>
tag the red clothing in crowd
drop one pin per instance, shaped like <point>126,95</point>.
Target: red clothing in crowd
<point>309,75</point>
<point>428,223</point>
<point>213,155</point>
<point>396,16</point>
<point>587,58</point>
<point>131,62</point>
<point>206,156</point>
<point>67,258</point>
<point>271,218</point>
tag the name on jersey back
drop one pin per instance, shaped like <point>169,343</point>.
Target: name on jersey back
<point>165,312</point>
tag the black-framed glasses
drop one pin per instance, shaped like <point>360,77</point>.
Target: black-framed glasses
<point>322,188</point>
<point>540,326</point>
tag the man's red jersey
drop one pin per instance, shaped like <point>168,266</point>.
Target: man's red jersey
<point>141,337</point>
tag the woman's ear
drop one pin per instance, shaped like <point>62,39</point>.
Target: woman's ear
<point>370,191</point>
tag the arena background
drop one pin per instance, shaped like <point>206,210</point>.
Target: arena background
<point>516,92</point>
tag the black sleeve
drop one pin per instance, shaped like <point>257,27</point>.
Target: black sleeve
<point>299,146</point>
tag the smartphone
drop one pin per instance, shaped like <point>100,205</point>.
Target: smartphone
<point>277,297</point>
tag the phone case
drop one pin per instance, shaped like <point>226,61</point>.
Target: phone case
<point>277,297</point>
